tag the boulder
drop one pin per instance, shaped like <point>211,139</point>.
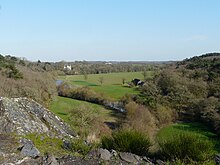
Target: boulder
<point>23,116</point>
<point>28,149</point>
<point>105,154</point>
<point>128,157</point>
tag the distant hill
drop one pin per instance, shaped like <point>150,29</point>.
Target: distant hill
<point>203,61</point>
<point>209,62</point>
<point>20,78</point>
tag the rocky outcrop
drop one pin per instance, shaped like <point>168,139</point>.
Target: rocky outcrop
<point>20,117</point>
<point>103,156</point>
<point>23,116</point>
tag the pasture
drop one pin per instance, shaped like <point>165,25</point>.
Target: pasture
<point>198,129</point>
<point>86,119</point>
<point>110,85</point>
<point>62,106</point>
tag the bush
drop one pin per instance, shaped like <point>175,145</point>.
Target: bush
<point>139,118</point>
<point>185,146</point>
<point>165,114</point>
<point>127,141</point>
<point>79,146</point>
<point>87,123</point>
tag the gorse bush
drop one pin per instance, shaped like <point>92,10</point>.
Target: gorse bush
<point>185,146</point>
<point>127,141</point>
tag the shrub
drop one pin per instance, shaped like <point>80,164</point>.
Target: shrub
<point>185,146</point>
<point>139,118</point>
<point>87,123</point>
<point>79,146</point>
<point>127,141</point>
<point>165,114</point>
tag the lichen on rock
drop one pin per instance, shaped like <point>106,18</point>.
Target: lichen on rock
<point>23,116</point>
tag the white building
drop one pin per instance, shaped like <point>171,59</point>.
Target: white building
<point>67,67</point>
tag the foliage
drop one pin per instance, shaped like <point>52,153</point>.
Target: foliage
<point>127,141</point>
<point>149,94</point>
<point>186,146</point>
<point>87,123</point>
<point>164,115</point>
<point>139,118</point>
<point>173,133</point>
<point>19,81</point>
<point>13,72</point>
<point>8,67</point>
<point>81,147</point>
<point>189,90</point>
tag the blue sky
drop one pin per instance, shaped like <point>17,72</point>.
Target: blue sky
<point>124,30</point>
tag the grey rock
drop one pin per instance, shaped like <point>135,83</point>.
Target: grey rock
<point>67,145</point>
<point>128,157</point>
<point>29,149</point>
<point>147,160</point>
<point>217,158</point>
<point>160,162</point>
<point>23,116</point>
<point>105,154</point>
<point>51,160</point>
<point>30,161</point>
<point>114,153</point>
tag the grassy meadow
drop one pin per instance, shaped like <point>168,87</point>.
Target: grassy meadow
<point>87,119</point>
<point>62,106</point>
<point>197,129</point>
<point>112,85</point>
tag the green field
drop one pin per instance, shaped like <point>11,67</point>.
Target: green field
<point>111,87</point>
<point>61,106</point>
<point>201,130</point>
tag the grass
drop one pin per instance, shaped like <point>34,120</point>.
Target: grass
<point>188,143</point>
<point>62,106</point>
<point>55,146</point>
<point>197,128</point>
<point>127,141</point>
<point>89,121</point>
<point>111,87</point>
<point>109,78</point>
<point>46,144</point>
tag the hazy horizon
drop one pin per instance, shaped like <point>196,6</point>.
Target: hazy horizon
<point>97,30</point>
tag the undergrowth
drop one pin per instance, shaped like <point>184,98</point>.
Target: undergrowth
<point>127,141</point>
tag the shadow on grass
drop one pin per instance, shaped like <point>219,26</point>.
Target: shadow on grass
<point>112,125</point>
<point>117,84</point>
<point>116,124</point>
<point>62,113</point>
<point>85,83</point>
<point>196,127</point>
<point>200,129</point>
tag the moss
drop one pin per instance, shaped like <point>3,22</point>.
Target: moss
<point>47,144</point>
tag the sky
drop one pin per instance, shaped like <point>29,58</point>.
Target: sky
<point>109,30</point>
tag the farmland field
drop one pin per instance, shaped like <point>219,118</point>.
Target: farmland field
<point>112,85</point>
<point>61,106</point>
